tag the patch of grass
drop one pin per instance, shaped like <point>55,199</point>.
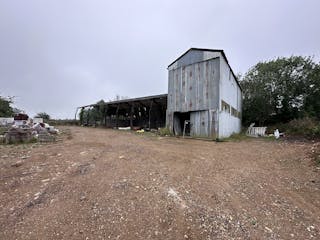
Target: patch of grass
<point>3,130</point>
<point>164,132</point>
<point>221,139</point>
<point>270,138</point>
<point>236,137</point>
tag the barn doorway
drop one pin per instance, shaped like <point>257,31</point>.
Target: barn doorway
<point>181,123</point>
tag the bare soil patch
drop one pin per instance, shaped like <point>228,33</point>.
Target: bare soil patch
<point>107,184</point>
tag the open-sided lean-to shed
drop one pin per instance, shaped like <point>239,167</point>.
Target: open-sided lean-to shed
<point>204,96</point>
<point>144,112</point>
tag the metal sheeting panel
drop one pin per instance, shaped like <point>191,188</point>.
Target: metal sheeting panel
<point>194,56</point>
<point>194,87</point>
<point>200,124</point>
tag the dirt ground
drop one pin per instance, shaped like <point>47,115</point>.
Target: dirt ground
<point>108,184</point>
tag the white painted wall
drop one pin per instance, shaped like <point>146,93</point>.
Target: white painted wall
<point>228,124</point>
<point>231,94</point>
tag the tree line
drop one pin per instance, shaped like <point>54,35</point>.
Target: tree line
<point>278,91</point>
<point>281,90</point>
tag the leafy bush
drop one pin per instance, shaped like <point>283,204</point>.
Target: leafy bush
<point>69,122</point>
<point>3,130</point>
<point>45,116</point>
<point>304,126</point>
<point>6,109</point>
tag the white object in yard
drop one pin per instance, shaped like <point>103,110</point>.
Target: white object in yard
<point>124,128</point>
<point>20,122</point>
<point>51,129</point>
<point>37,127</point>
<point>276,134</point>
<point>6,121</point>
<point>256,131</point>
<point>37,120</point>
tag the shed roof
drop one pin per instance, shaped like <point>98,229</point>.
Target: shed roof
<point>209,50</point>
<point>160,97</point>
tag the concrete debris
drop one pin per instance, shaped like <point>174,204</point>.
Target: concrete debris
<point>2,138</point>
<point>45,137</point>
<point>18,134</point>
<point>23,130</point>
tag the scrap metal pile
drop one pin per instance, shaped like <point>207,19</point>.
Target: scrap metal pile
<point>24,129</point>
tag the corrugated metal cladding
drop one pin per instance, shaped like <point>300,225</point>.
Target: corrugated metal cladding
<point>194,87</point>
<point>195,82</point>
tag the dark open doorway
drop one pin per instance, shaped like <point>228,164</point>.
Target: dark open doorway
<point>181,123</point>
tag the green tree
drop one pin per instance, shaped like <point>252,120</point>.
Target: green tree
<point>280,90</point>
<point>312,100</point>
<point>43,115</point>
<point>5,107</point>
<point>82,115</point>
<point>93,115</point>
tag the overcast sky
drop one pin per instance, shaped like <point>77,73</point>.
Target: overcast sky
<point>56,55</point>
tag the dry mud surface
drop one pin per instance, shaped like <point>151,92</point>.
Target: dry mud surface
<point>107,184</point>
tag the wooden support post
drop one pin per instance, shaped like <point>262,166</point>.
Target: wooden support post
<point>131,116</point>
<point>81,116</point>
<point>117,116</point>
<point>88,117</point>
<point>105,115</point>
<point>150,115</point>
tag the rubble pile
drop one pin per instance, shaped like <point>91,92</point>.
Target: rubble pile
<point>45,137</point>
<point>18,134</point>
<point>23,129</point>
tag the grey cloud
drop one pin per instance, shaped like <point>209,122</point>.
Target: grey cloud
<point>57,55</point>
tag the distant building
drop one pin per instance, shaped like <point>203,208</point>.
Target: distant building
<point>204,96</point>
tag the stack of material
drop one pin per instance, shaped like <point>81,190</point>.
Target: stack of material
<point>2,139</point>
<point>44,136</point>
<point>39,127</point>
<point>256,131</point>
<point>6,121</point>
<point>22,130</point>
<point>16,135</point>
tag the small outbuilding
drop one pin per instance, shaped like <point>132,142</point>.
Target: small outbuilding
<point>204,95</point>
